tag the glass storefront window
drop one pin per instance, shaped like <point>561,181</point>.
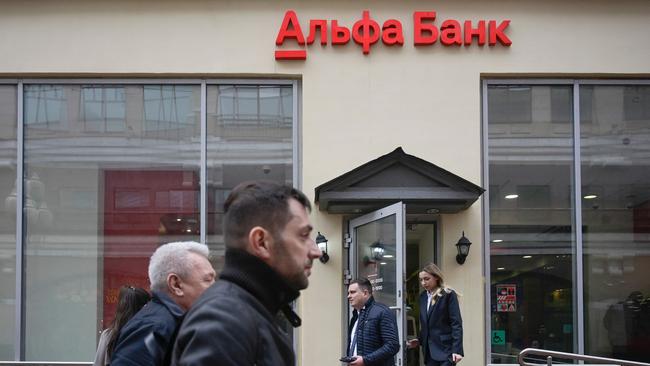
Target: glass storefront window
<point>530,144</point>
<point>250,137</point>
<point>111,172</point>
<point>615,165</point>
<point>8,119</point>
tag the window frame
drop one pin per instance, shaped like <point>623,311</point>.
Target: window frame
<point>296,113</point>
<point>576,194</point>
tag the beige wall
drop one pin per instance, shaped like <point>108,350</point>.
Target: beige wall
<point>354,107</point>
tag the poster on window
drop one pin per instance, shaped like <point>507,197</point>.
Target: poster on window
<point>506,298</point>
<point>142,210</point>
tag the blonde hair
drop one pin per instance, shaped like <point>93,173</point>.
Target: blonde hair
<point>435,271</point>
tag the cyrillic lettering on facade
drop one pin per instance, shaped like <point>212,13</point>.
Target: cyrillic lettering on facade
<point>290,28</point>
<point>478,32</point>
<point>317,24</point>
<point>340,35</point>
<point>496,33</point>
<point>366,32</point>
<point>391,32</point>
<point>291,55</point>
<point>451,33</point>
<point>424,34</point>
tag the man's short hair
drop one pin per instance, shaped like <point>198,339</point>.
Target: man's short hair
<point>363,283</point>
<point>258,203</point>
<point>173,258</point>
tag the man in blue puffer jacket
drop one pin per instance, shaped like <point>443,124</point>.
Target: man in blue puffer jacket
<point>372,334</point>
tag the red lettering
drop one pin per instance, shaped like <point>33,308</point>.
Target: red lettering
<point>290,55</point>
<point>474,32</point>
<point>317,24</point>
<point>290,28</point>
<point>424,34</point>
<point>392,32</point>
<point>340,35</point>
<point>365,32</point>
<point>496,33</point>
<point>451,33</point>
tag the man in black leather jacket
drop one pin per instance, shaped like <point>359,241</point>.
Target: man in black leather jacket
<point>269,255</point>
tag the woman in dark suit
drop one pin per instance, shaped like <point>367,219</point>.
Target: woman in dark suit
<point>441,326</point>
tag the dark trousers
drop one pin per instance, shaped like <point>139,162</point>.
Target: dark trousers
<point>440,363</point>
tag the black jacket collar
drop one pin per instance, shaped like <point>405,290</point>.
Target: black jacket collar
<point>365,308</point>
<point>256,277</point>
<point>167,302</point>
<point>369,303</point>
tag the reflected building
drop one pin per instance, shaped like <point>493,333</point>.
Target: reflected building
<point>537,226</point>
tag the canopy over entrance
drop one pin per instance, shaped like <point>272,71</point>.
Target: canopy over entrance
<point>397,176</point>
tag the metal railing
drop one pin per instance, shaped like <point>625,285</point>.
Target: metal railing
<point>549,355</point>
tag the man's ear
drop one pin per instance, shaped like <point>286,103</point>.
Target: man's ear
<point>260,242</point>
<point>174,285</point>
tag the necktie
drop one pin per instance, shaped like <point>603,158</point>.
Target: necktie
<point>353,344</point>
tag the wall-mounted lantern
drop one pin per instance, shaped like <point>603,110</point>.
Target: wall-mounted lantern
<point>376,253</point>
<point>463,249</point>
<point>321,241</point>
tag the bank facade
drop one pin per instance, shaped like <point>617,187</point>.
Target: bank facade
<point>524,127</point>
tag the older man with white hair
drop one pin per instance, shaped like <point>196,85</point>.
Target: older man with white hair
<point>179,272</point>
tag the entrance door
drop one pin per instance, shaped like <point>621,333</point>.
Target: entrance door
<point>377,253</point>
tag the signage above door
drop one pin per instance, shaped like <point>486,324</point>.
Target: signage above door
<point>366,32</point>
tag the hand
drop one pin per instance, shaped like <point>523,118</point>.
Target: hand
<point>456,357</point>
<point>357,362</point>
<point>413,343</point>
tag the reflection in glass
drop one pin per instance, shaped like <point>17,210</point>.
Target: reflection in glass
<point>250,137</point>
<point>615,152</point>
<point>101,193</point>
<point>531,236</point>
<point>170,111</point>
<point>374,241</point>
<point>7,221</point>
<point>103,108</point>
<point>43,107</point>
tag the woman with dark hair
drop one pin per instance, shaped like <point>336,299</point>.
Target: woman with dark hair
<point>441,326</point>
<point>130,301</point>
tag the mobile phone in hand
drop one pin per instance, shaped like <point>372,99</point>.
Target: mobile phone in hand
<point>348,359</point>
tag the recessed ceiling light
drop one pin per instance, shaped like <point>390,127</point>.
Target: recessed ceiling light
<point>501,268</point>
<point>497,240</point>
<point>188,230</point>
<point>511,196</point>
<point>527,256</point>
<point>590,197</point>
<point>383,263</point>
<point>179,219</point>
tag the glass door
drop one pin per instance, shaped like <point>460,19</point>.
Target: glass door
<point>377,253</point>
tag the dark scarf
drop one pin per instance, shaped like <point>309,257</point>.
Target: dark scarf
<point>261,281</point>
